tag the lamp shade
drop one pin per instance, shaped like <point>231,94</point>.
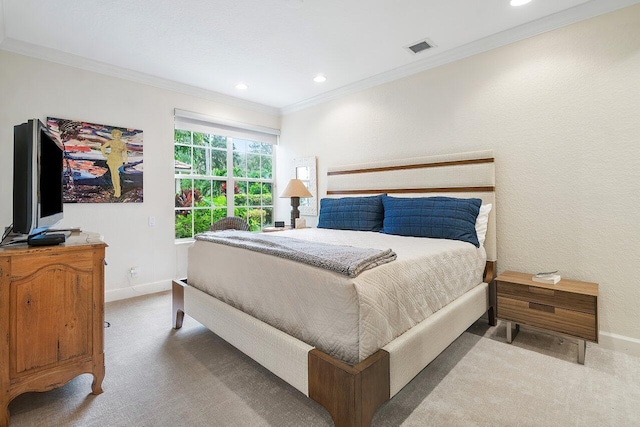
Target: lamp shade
<point>296,188</point>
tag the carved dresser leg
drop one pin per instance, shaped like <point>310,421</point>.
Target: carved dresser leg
<point>178,303</point>
<point>4,413</point>
<point>351,394</point>
<point>98,375</point>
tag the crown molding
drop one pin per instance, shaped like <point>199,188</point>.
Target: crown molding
<point>52,55</point>
<point>566,17</point>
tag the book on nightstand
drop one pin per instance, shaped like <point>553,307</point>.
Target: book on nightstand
<point>549,279</point>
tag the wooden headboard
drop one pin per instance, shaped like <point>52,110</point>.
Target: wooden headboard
<point>469,174</point>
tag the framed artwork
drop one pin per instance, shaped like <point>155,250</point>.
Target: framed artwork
<point>102,164</point>
<point>305,171</point>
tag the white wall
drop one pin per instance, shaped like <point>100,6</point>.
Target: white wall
<point>31,88</point>
<point>562,112</point>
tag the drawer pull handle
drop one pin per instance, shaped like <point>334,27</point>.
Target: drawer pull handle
<point>541,291</point>
<point>542,307</point>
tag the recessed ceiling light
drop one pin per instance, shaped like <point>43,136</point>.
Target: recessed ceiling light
<point>319,78</point>
<point>519,2</point>
<point>242,86</point>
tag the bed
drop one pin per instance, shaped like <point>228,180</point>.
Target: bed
<point>352,343</point>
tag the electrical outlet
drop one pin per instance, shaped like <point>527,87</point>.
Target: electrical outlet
<point>152,221</point>
<point>134,271</point>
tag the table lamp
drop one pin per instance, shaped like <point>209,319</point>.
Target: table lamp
<point>295,189</point>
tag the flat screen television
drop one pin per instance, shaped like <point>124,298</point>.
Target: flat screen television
<point>37,179</point>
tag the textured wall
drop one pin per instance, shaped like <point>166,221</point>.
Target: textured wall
<point>562,112</point>
<point>33,88</point>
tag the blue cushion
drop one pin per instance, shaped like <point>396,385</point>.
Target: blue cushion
<point>352,213</point>
<point>437,217</point>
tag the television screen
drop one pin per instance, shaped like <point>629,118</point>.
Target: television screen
<point>50,176</point>
<point>37,179</point>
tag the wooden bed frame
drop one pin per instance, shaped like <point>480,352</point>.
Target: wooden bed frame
<point>352,394</point>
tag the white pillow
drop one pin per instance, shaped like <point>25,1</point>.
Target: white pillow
<point>482,222</point>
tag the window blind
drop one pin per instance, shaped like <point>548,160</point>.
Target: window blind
<point>196,122</point>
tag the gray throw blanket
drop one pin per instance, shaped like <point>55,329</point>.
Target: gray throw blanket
<point>347,260</point>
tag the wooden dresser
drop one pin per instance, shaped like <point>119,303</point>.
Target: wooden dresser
<point>569,307</point>
<point>51,316</point>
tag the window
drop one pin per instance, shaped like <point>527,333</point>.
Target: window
<point>218,175</point>
<point>253,177</point>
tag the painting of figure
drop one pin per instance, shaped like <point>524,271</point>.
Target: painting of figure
<point>102,164</point>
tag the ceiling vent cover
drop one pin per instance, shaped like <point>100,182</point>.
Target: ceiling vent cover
<point>420,46</point>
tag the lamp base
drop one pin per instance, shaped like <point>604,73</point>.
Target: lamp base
<point>295,213</point>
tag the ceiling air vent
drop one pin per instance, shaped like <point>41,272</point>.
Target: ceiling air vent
<point>420,46</point>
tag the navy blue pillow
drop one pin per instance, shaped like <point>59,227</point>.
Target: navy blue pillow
<point>437,217</point>
<point>352,213</point>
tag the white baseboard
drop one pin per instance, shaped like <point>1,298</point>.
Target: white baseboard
<point>620,343</point>
<point>137,290</point>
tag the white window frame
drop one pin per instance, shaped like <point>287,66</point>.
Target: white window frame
<point>195,122</point>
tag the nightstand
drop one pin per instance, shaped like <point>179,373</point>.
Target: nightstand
<point>569,307</point>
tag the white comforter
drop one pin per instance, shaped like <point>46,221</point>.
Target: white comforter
<point>348,318</point>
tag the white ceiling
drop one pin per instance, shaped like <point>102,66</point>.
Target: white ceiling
<point>276,46</point>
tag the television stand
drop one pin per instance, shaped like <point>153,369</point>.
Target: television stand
<point>51,316</point>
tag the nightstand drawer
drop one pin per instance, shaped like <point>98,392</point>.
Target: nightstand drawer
<point>553,297</point>
<point>548,317</point>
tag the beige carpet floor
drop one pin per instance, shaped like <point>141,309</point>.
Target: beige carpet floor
<point>160,377</point>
